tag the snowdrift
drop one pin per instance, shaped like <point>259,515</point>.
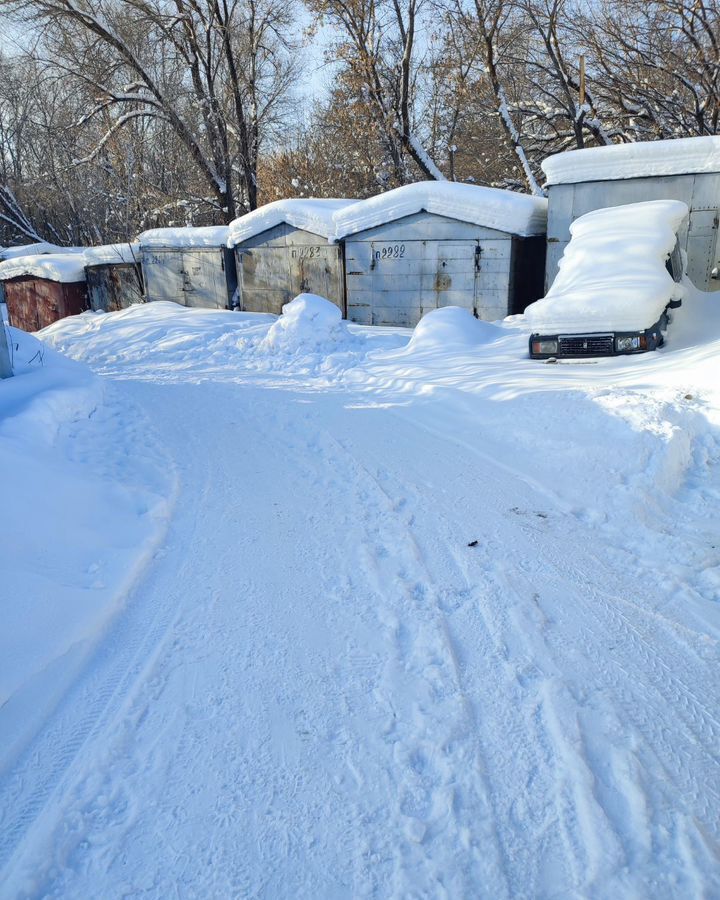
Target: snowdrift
<point>452,328</point>
<point>308,324</point>
<point>77,523</point>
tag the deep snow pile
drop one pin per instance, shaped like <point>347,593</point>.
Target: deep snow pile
<point>84,500</point>
<point>310,334</point>
<point>308,324</point>
<point>170,339</point>
<point>612,275</point>
<point>451,328</point>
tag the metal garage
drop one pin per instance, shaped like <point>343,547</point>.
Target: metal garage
<point>686,169</point>
<point>39,290</point>
<point>191,266</point>
<point>113,276</point>
<point>283,249</point>
<point>435,244</point>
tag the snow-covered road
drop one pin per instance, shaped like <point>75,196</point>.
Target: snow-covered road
<point>376,654</point>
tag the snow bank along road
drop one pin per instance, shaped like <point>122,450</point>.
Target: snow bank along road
<point>402,637</point>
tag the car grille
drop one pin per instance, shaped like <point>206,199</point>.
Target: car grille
<point>585,344</point>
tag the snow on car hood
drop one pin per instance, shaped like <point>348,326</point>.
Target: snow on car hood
<point>612,275</point>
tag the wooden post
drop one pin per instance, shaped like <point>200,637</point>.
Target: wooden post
<point>582,80</point>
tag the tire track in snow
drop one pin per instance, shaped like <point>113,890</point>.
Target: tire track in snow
<point>43,770</point>
<point>491,763</point>
<point>562,718</point>
<point>614,625</point>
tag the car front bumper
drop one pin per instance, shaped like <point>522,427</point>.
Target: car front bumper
<point>596,343</point>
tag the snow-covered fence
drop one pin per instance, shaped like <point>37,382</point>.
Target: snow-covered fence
<point>687,169</point>
<point>435,244</point>
<point>284,249</point>
<point>114,277</point>
<point>191,266</point>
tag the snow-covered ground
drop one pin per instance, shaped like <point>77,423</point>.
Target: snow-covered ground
<point>324,611</point>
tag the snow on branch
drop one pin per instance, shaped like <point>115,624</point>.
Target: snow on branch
<point>14,214</point>
<point>423,157</point>
<point>116,126</point>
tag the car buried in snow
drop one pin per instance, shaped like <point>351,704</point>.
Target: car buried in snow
<point>619,279</point>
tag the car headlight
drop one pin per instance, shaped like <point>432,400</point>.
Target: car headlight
<point>627,343</point>
<point>544,346</point>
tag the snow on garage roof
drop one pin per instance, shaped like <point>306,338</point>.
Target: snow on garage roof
<point>682,156</point>
<point>309,214</point>
<point>66,267</point>
<point>35,249</point>
<point>208,236</point>
<point>612,275</point>
<point>490,207</point>
<point>111,253</point>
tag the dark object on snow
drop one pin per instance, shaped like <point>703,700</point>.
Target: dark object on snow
<point>473,544</point>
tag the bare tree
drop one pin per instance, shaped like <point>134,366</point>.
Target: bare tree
<point>234,68</point>
<point>377,45</point>
<point>658,64</point>
<point>559,111</point>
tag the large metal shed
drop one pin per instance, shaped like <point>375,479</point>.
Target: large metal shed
<point>113,276</point>
<point>191,266</point>
<point>37,249</point>
<point>284,249</point>
<point>39,290</point>
<point>687,169</point>
<point>435,244</point>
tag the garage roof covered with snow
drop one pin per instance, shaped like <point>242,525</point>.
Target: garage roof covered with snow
<point>683,156</point>
<point>309,214</point>
<point>506,211</point>
<point>612,275</point>
<point>63,267</point>
<point>207,236</point>
<point>35,249</point>
<point>112,253</point>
